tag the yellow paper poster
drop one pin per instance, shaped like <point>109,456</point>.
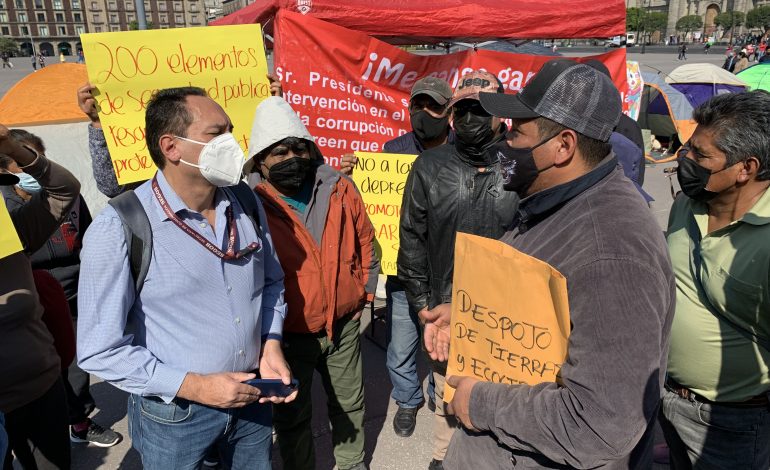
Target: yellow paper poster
<point>381,179</point>
<point>9,239</point>
<point>127,67</point>
<point>510,315</point>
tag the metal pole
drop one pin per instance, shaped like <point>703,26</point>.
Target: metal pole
<point>732,22</point>
<point>646,14</point>
<point>141,19</point>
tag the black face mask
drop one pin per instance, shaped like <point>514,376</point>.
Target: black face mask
<point>693,179</point>
<point>474,131</point>
<point>428,128</point>
<point>291,173</point>
<point>518,166</point>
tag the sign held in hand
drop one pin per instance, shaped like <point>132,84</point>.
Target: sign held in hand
<point>9,239</point>
<point>128,67</point>
<point>381,179</point>
<point>510,315</point>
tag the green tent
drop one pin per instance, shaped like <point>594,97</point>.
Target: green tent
<point>757,76</point>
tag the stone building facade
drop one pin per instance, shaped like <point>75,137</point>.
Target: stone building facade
<point>116,15</point>
<point>50,26</point>
<point>230,6</point>
<point>55,26</point>
<point>706,9</point>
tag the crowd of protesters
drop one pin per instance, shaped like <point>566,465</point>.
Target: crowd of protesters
<point>751,49</point>
<point>194,289</point>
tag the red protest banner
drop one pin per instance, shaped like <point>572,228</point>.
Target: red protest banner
<point>352,91</point>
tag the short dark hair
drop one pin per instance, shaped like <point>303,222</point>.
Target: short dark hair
<point>593,151</point>
<point>28,138</point>
<point>167,113</point>
<point>5,161</point>
<point>739,122</point>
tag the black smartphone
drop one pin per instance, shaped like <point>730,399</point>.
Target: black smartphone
<point>273,387</point>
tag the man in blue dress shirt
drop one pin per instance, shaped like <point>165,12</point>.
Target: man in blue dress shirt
<point>210,312</point>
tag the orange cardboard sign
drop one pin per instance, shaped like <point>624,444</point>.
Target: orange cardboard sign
<point>510,315</point>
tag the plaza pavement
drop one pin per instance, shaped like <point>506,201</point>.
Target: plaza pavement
<point>384,450</point>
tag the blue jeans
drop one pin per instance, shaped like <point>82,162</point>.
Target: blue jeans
<point>712,436</point>
<point>3,439</point>
<point>403,341</point>
<point>177,435</point>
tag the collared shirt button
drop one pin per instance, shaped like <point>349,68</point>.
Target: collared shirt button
<point>238,320</point>
<point>229,288</point>
<point>203,224</point>
<point>240,352</point>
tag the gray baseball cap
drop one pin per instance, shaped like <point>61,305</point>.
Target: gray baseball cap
<point>574,95</point>
<point>436,88</point>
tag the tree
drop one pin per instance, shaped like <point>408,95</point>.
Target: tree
<point>759,18</point>
<point>640,20</point>
<point>656,21</point>
<point>134,25</point>
<point>725,19</point>
<point>689,23</point>
<point>634,19</point>
<point>8,46</point>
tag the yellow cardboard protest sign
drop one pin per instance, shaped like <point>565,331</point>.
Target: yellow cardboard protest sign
<point>127,67</point>
<point>510,315</point>
<point>9,239</point>
<point>381,179</point>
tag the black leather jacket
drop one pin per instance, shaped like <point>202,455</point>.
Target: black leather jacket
<point>445,194</point>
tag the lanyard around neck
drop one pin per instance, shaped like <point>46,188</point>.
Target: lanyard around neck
<point>230,253</point>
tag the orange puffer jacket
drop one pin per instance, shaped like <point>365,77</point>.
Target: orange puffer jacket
<point>327,255</point>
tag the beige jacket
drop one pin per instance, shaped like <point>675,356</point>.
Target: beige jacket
<point>742,64</point>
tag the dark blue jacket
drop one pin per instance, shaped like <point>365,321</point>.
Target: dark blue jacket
<point>408,144</point>
<point>631,158</point>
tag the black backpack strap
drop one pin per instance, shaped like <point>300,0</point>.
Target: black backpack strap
<point>138,233</point>
<point>248,201</point>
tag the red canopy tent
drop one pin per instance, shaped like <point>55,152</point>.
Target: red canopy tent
<point>431,21</point>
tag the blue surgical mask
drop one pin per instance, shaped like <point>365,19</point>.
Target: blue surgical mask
<point>28,183</point>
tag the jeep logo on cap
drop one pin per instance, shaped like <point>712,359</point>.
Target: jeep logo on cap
<point>469,82</point>
<point>304,6</point>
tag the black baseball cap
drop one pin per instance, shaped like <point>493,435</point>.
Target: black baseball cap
<point>598,65</point>
<point>8,179</point>
<point>571,94</point>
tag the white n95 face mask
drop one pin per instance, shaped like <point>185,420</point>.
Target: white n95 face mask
<point>220,161</point>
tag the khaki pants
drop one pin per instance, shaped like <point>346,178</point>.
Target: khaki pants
<point>444,424</point>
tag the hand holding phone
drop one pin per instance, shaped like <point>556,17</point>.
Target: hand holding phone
<point>273,387</point>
